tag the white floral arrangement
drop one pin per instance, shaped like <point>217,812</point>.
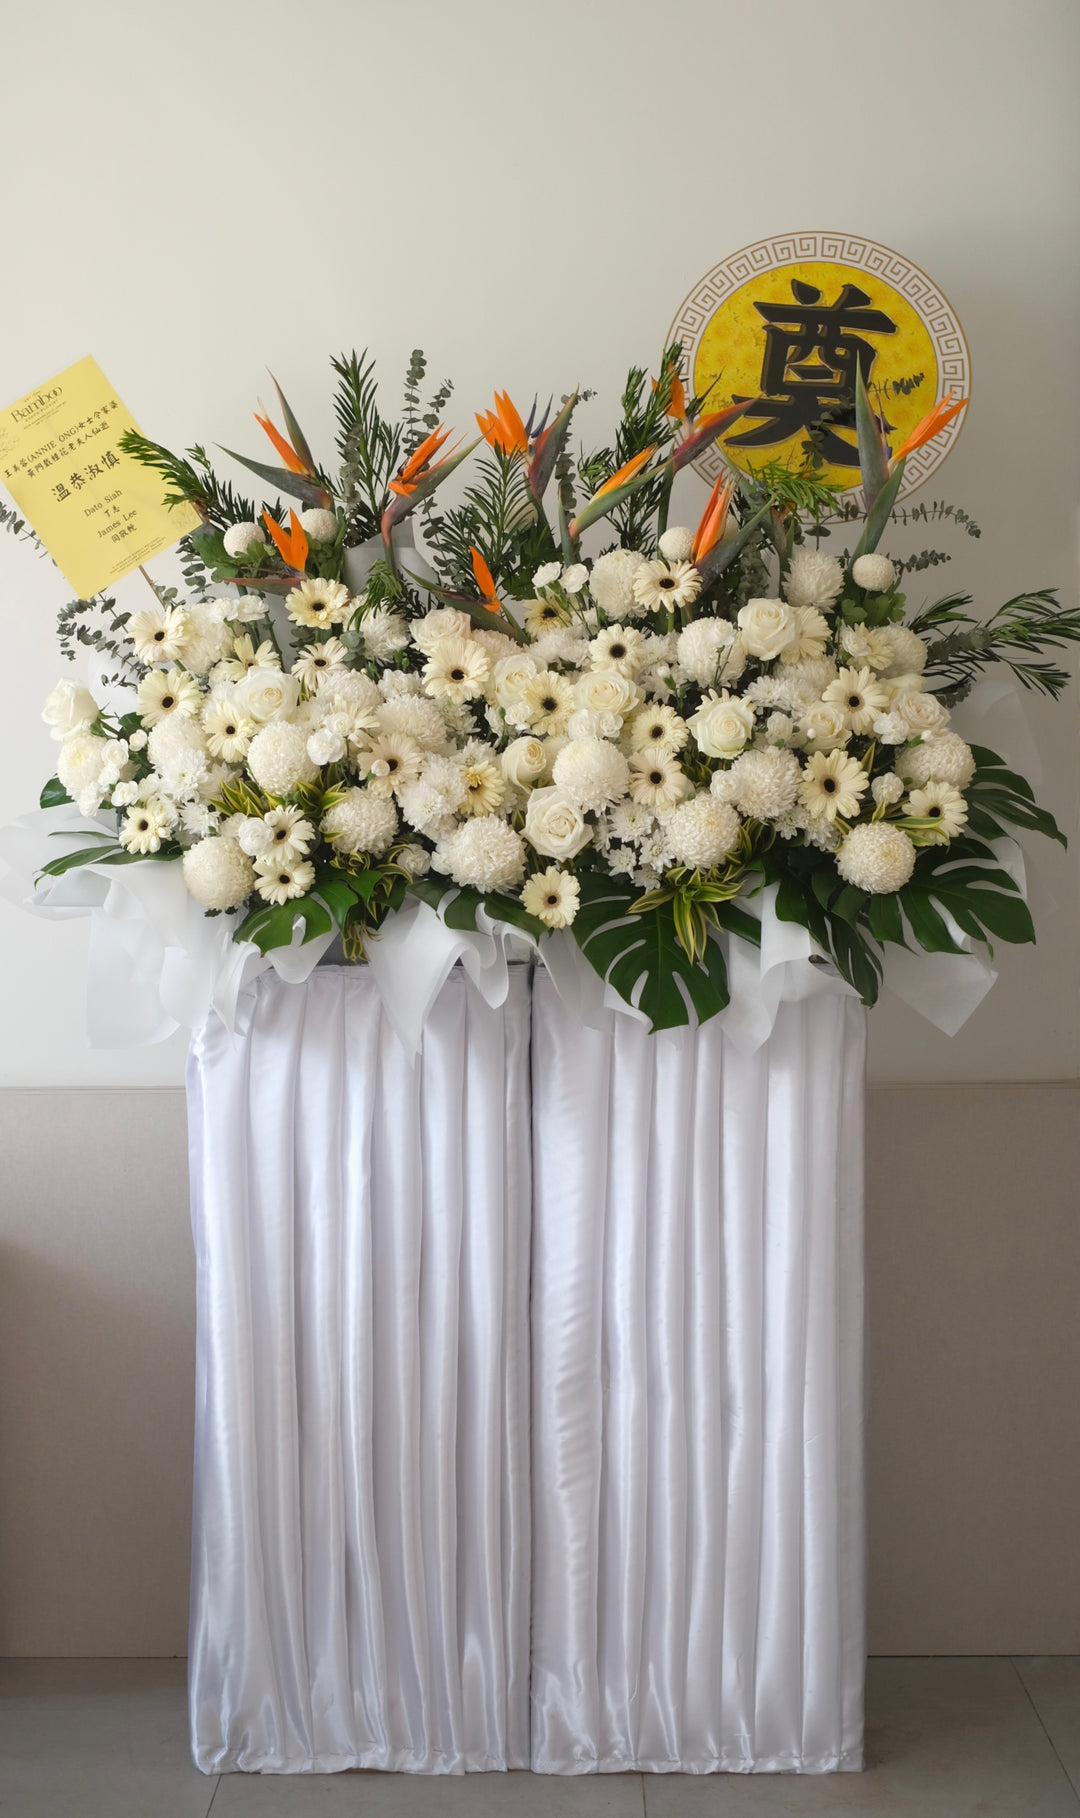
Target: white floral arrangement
<point>627,746</point>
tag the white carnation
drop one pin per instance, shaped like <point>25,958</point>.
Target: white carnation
<point>278,758</point>
<point>240,537</point>
<point>702,832</point>
<point>546,573</point>
<point>944,758</point>
<point>327,746</point>
<point>483,854</point>
<point>592,772</point>
<point>414,859</point>
<point>886,788</point>
<point>766,783</point>
<point>876,857</point>
<point>218,874</point>
<point>554,825</point>
<point>813,579</point>
<point>611,584</point>
<point>874,572</point>
<point>574,577</point>
<point>676,543</point>
<point>361,822</point>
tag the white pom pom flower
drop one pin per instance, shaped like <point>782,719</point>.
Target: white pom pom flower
<point>766,783</point>
<point>239,538</point>
<point>363,821</point>
<point>483,854</point>
<point>593,773</point>
<point>278,758</point>
<point>944,758</point>
<point>703,832</point>
<point>321,526</point>
<point>218,875</point>
<point>876,857</point>
<point>873,572</point>
<point>676,543</point>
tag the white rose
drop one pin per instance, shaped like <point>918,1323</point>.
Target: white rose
<point>824,726</point>
<point>69,708</point>
<point>511,676</point>
<point>266,694</point>
<point>766,626</point>
<point>923,712</point>
<point>606,691</point>
<point>444,622</point>
<point>554,826</point>
<point>722,725</point>
<point>523,761</point>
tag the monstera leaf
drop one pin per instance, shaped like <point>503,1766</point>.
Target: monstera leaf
<point>641,957</point>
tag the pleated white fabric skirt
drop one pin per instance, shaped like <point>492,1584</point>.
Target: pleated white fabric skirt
<point>361,1558</point>
<point>697,1395</point>
<point>529,1425</point>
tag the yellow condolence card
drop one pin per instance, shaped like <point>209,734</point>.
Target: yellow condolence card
<point>98,513</point>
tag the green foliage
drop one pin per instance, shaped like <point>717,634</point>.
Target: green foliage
<point>18,527</point>
<point>459,907</point>
<point>53,795</point>
<point>108,852</point>
<point>192,482</point>
<point>1013,635</point>
<point>496,515</point>
<point>997,798</point>
<point>795,489</point>
<point>98,624</point>
<point>369,446</point>
<point>418,423</point>
<point>641,955</point>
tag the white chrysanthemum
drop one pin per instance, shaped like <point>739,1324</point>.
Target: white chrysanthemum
<point>944,758</point>
<point>559,644</point>
<point>766,783</point>
<point>658,728</point>
<point>657,780</point>
<point>710,651</point>
<point>592,772</point>
<point>278,758</point>
<point>662,584</point>
<point>495,643</point>
<point>393,683</point>
<point>217,874</point>
<point>266,695</point>
<point>483,854</point>
<point>553,896</point>
<point>805,684</point>
<point>81,769</point>
<point>317,663</point>
<point>69,708</point>
<point>392,761</point>
<point>868,648</point>
<point>873,572</point>
<point>208,638</point>
<point>859,696</point>
<point>485,786</point>
<point>876,857</point>
<point>618,647</point>
<point>810,639</point>
<point>281,880</point>
<point>158,633</point>
<point>415,717</point>
<point>676,543</point>
<point>414,860</point>
<point>240,537</point>
<point>765,627</point>
<point>318,602</point>
<point>940,804</point>
<point>173,739</point>
<point>246,655</point>
<point>363,821</point>
<point>168,691</point>
<point>887,788</point>
<point>832,784</point>
<point>382,634</point>
<point>435,797</point>
<point>457,669</point>
<point>146,825</point>
<point>546,703</point>
<point>443,622</point>
<point>320,525</point>
<point>555,826</point>
<point>702,832</point>
<point>907,650</point>
<point>611,583</point>
<point>823,833</point>
<point>722,725</point>
<point>546,573</point>
<point>813,579</point>
<point>198,819</point>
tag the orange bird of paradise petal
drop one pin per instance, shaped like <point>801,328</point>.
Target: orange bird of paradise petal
<point>676,404</point>
<point>285,449</point>
<point>713,518</point>
<point>292,544</point>
<point>625,472</point>
<point>407,478</point>
<point>502,427</point>
<point>485,580</point>
<point>931,425</point>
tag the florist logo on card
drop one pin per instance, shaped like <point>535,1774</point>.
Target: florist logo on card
<point>30,407</point>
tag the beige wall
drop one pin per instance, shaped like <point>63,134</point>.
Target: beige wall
<point>974,1273</point>
<point>529,188</point>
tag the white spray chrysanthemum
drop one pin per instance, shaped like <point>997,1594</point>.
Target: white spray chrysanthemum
<point>813,579</point>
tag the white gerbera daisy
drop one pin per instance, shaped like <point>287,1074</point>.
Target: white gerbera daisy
<point>279,880</point>
<point>158,633</point>
<point>832,784</point>
<point>656,780</point>
<point>246,656</point>
<point>318,602</point>
<point>316,663</point>
<point>660,584</point>
<point>658,728</point>
<point>146,825</point>
<point>859,696</point>
<point>456,670</point>
<point>552,896</point>
<point>168,691</point>
<point>228,733</point>
<point>393,760</point>
<point>618,647</point>
<point>942,805</point>
<point>547,701</point>
<point>485,786</point>
<point>290,833</point>
<point>543,615</point>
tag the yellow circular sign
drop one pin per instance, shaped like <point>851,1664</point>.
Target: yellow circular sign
<point>787,323</point>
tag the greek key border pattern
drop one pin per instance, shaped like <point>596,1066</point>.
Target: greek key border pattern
<point>940,319</point>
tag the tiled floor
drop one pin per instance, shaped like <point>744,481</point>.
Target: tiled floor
<point>945,1739</point>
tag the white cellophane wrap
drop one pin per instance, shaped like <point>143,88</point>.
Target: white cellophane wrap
<point>361,1556</point>
<point>698,1578</point>
<point>158,963</point>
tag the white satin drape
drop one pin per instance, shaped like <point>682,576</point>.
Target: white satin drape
<point>360,1584</point>
<point>372,1538</point>
<point>697,1394</point>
